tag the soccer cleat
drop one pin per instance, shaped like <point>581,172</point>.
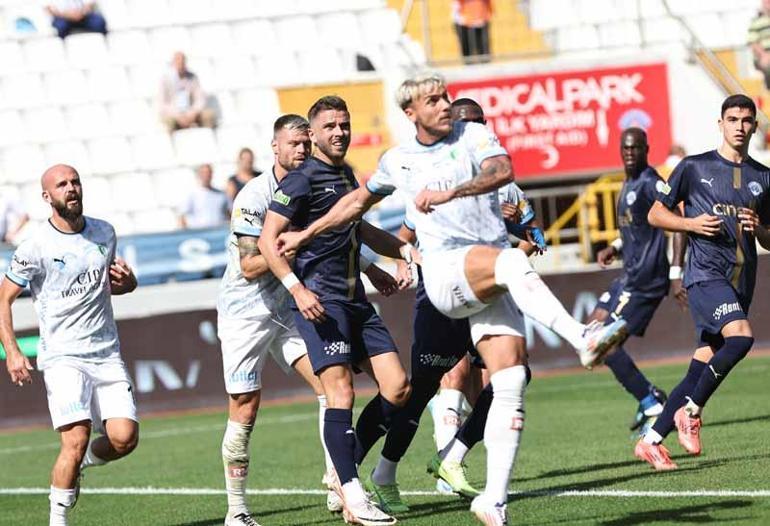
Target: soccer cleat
<point>453,473</point>
<point>488,512</point>
<point>649,409</point>
<point>387,496</point>
<point>601,340</point>
<point>241,519</point>
<point>688,428</point>
<point>654,454</point>
<point>366,513</point>
<point>443,488</point>
<point>334,502</point>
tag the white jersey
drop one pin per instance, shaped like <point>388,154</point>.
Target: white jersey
<point>68,275</point>
<point>239,297</point>
<point>456,159</point>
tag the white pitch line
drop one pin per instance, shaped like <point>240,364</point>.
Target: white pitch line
<point>176,431</point>
<point>299,492</point>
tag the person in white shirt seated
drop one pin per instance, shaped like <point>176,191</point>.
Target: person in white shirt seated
<point>205,206</point>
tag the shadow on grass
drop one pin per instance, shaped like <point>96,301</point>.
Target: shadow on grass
<point>579,470</point>
<point>747,420</point>
<point>257,515</point>
<point>700,514</point>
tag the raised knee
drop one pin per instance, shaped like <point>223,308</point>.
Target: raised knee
<point>125,444</point>
<point>400,393</point>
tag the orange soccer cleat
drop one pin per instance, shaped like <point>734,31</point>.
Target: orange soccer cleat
<point>688,428</point>
<point>654,454</point>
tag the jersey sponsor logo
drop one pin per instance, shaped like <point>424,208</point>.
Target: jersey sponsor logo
<point>87,281</point>
<point>707,181</point>
<point>282,198</point>
<point>724,209</point>
<point>20,262</point>
<point>330,189</point>
<point>725,309</point>
<point>755,188</point>
<point>436,360</point>
<point>630,198</point>
<point>335,348</point>
<point>663,188</point>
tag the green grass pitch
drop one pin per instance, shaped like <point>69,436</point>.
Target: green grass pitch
<point>576,439</point>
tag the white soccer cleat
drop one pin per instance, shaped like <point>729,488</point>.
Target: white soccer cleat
<point>366,513</point>
<point>334,502</point>
<point>601,340</point>
<point>241,519</point>
<point>489,513</point>
<point>443,488</point>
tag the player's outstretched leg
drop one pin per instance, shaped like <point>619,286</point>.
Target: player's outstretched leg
<point>650,397</point>
<point>66,470</point>
<point>235,456</point>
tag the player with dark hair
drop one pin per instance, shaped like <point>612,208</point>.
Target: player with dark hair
<point>726,196</point>
<point>636,294</point>
<point>340,327</point>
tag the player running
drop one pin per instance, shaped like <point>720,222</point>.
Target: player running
<point>636,294</point>
<point>69,263</point>
<point>726,196</point>
<point>450,174</point>
<point>340,327</point>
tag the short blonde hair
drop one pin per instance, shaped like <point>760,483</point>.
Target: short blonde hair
<point>412,88</point>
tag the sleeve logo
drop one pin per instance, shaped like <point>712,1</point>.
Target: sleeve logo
<point>663,188</point>
<point>282,198</point>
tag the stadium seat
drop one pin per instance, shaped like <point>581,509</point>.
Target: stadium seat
<point>88,121</point>
<point>23,163</point>
<point>129,47</point>
<point>109,84</point>
<point>87,50</point>
<point>98,199</point>
<point>652,9</point>
<point>619,33</point>
<point>133,192</point>
<point>45,54</point>
<point>165,41</point>
<point>231,139</point>
<point>172,185</point>
<point>110,155</point>
<point>340,30</point>
<point>238,10</point>
<point>12,130</point>
<point>278,70</point>
<point>597,11</point>
<point>145,79</point>
<point>322,65</point>
<point>259,105</point>
<point>195,146</point>
<point>11,57</point>
<point>296,33</point>
<point>67,87</point>
<point>156,220</point>
<point>34,204</point>
<point>134,117</point>
<point>271,8</point>
<point>661,30</point>
<point>153,151</point>
<point>45,124</point>
<point>736,18</point>
<point>255,37</point>
<point>224,104</point>
<point>148,14</point>
<point>70,152</point>
<point>380,26</point>
<point>235,72</point>
<point>122,222</point>
<point>204,69</point>
<point>577,38</point>
<point>25,90</point>
<point>117,15</point>
<point>212,40</point>
<point>710,30</point>
<point>192,11</point>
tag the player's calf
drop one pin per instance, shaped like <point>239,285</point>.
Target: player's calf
<point>235,457</point>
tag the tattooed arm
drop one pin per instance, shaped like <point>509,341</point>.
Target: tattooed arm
<point>495,172</point>
<point>253,263</point>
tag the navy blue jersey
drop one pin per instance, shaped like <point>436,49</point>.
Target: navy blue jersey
<point>328,265</point>
<point>645,261</point>
<point>710,184</point>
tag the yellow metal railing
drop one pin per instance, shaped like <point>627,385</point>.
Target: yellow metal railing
<point>594,213</point>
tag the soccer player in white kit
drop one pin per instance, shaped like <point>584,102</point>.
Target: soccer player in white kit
<point>254,318</point>
<point>69,263</point>
<point>451,173</point>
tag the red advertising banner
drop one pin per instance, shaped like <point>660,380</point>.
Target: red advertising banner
<point>570,122</point>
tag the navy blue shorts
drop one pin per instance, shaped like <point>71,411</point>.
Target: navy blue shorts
<point>439,341</point>
<point>351,332</point>
<point>713,305</point>
<point>635,307</point>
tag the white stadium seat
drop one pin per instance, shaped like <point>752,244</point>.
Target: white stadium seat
<point>379,26</point>
<point>145,79</point>
<point>133,191</point>
<point>278,70</point>
<point>11,57</point>
<point>110,155</point>
<point>320,65</point>
<point>256,37</point>
<point>258,105</point>
<point>577,38</point>
<point>24,90</point>
<point>340,30</point>
<point>619,34</point>
<point>117,15</point>
<point>195,146</point>
<point>45,124</point>
<point>155,220</point>
<point>173,185</point>
<point>67,87</point>
<point>165,41</point>
<point>98,199</point>
<point>12,130</point>
<point>662,30</point>
<point>34,204</point>
<point>231,139</point>
<point>130,47</point>
<point>144,13</point>
<point>235,72</point>
<point>24,163</point>
<point>192,11</point>
<point>134,117</point>
<point>108,84</point>
<point>296,32</point>
<point>153,151</point>
<point>87,50</point>
<point>45,54</point>
<point>70,152</point>
<point>88,121</point>
<point>212,40</point>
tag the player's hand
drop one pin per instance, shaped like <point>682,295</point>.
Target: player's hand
<point>606,256</point>
<point>18,367</point>
<point>122,278</point>
<point>287,243</point>
<point>426,200</point>
<point>404,274</point>
<point>536,237</point>
<point>704,225</point>
<point>382,281</point>
<point>748,219</point>
<point>680,293</point>
<point>308,304</point>
<point>510,212</point>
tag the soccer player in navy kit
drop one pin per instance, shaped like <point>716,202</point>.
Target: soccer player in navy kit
<point>644,283</point>
<point>339,326</point>
<point>726,196</point>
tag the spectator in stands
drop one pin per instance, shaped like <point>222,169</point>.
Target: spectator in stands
<point>675,155</point>
<point>182,100</point>
<point>12,219</point>
<point>244,173</point>
<point>76,14</point>
<point>471,18</point>
<point>759,40</point>
<point>206,206</point>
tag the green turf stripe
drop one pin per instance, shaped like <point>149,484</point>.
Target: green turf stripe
<point>27,344</point>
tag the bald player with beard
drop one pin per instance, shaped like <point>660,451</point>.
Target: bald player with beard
<point>70,266</point>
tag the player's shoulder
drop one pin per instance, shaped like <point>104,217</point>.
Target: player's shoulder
<point>99,225</point>
<point>757,166</point>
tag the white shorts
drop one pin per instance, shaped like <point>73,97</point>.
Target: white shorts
<point>86,390</point>
<point>449,291</point>
<point>245,344</point>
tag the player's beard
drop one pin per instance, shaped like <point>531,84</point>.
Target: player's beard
<point>69,213</point>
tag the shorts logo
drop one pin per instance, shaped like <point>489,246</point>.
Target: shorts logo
<point>436,360</point>
<point>243,377</point>
<point>282,198</point>
<point>337,348</point>
<point>71,408</point>
<point>755,188</point>
<point>630,198</point>
<point>458,294</point>
<point>727,308</point>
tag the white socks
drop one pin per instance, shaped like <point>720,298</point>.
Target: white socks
<point>534,298</point>
<point>235,457</point>
<point>502,433</point>
<point>353,492</point>
<point>455,451</point>
<point>385,472</point>
<point>652,437</point>
<point>61,501</point>
<point>90,459</point>
<point>447,411</point>
<point>321,413</point>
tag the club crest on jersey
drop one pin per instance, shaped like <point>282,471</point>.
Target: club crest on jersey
<point>663,188</point>
<point>755,188</point>
<point>630,198</point>
<point>282,198</point>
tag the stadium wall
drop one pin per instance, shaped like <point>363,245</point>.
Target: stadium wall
<point>168,339</point>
